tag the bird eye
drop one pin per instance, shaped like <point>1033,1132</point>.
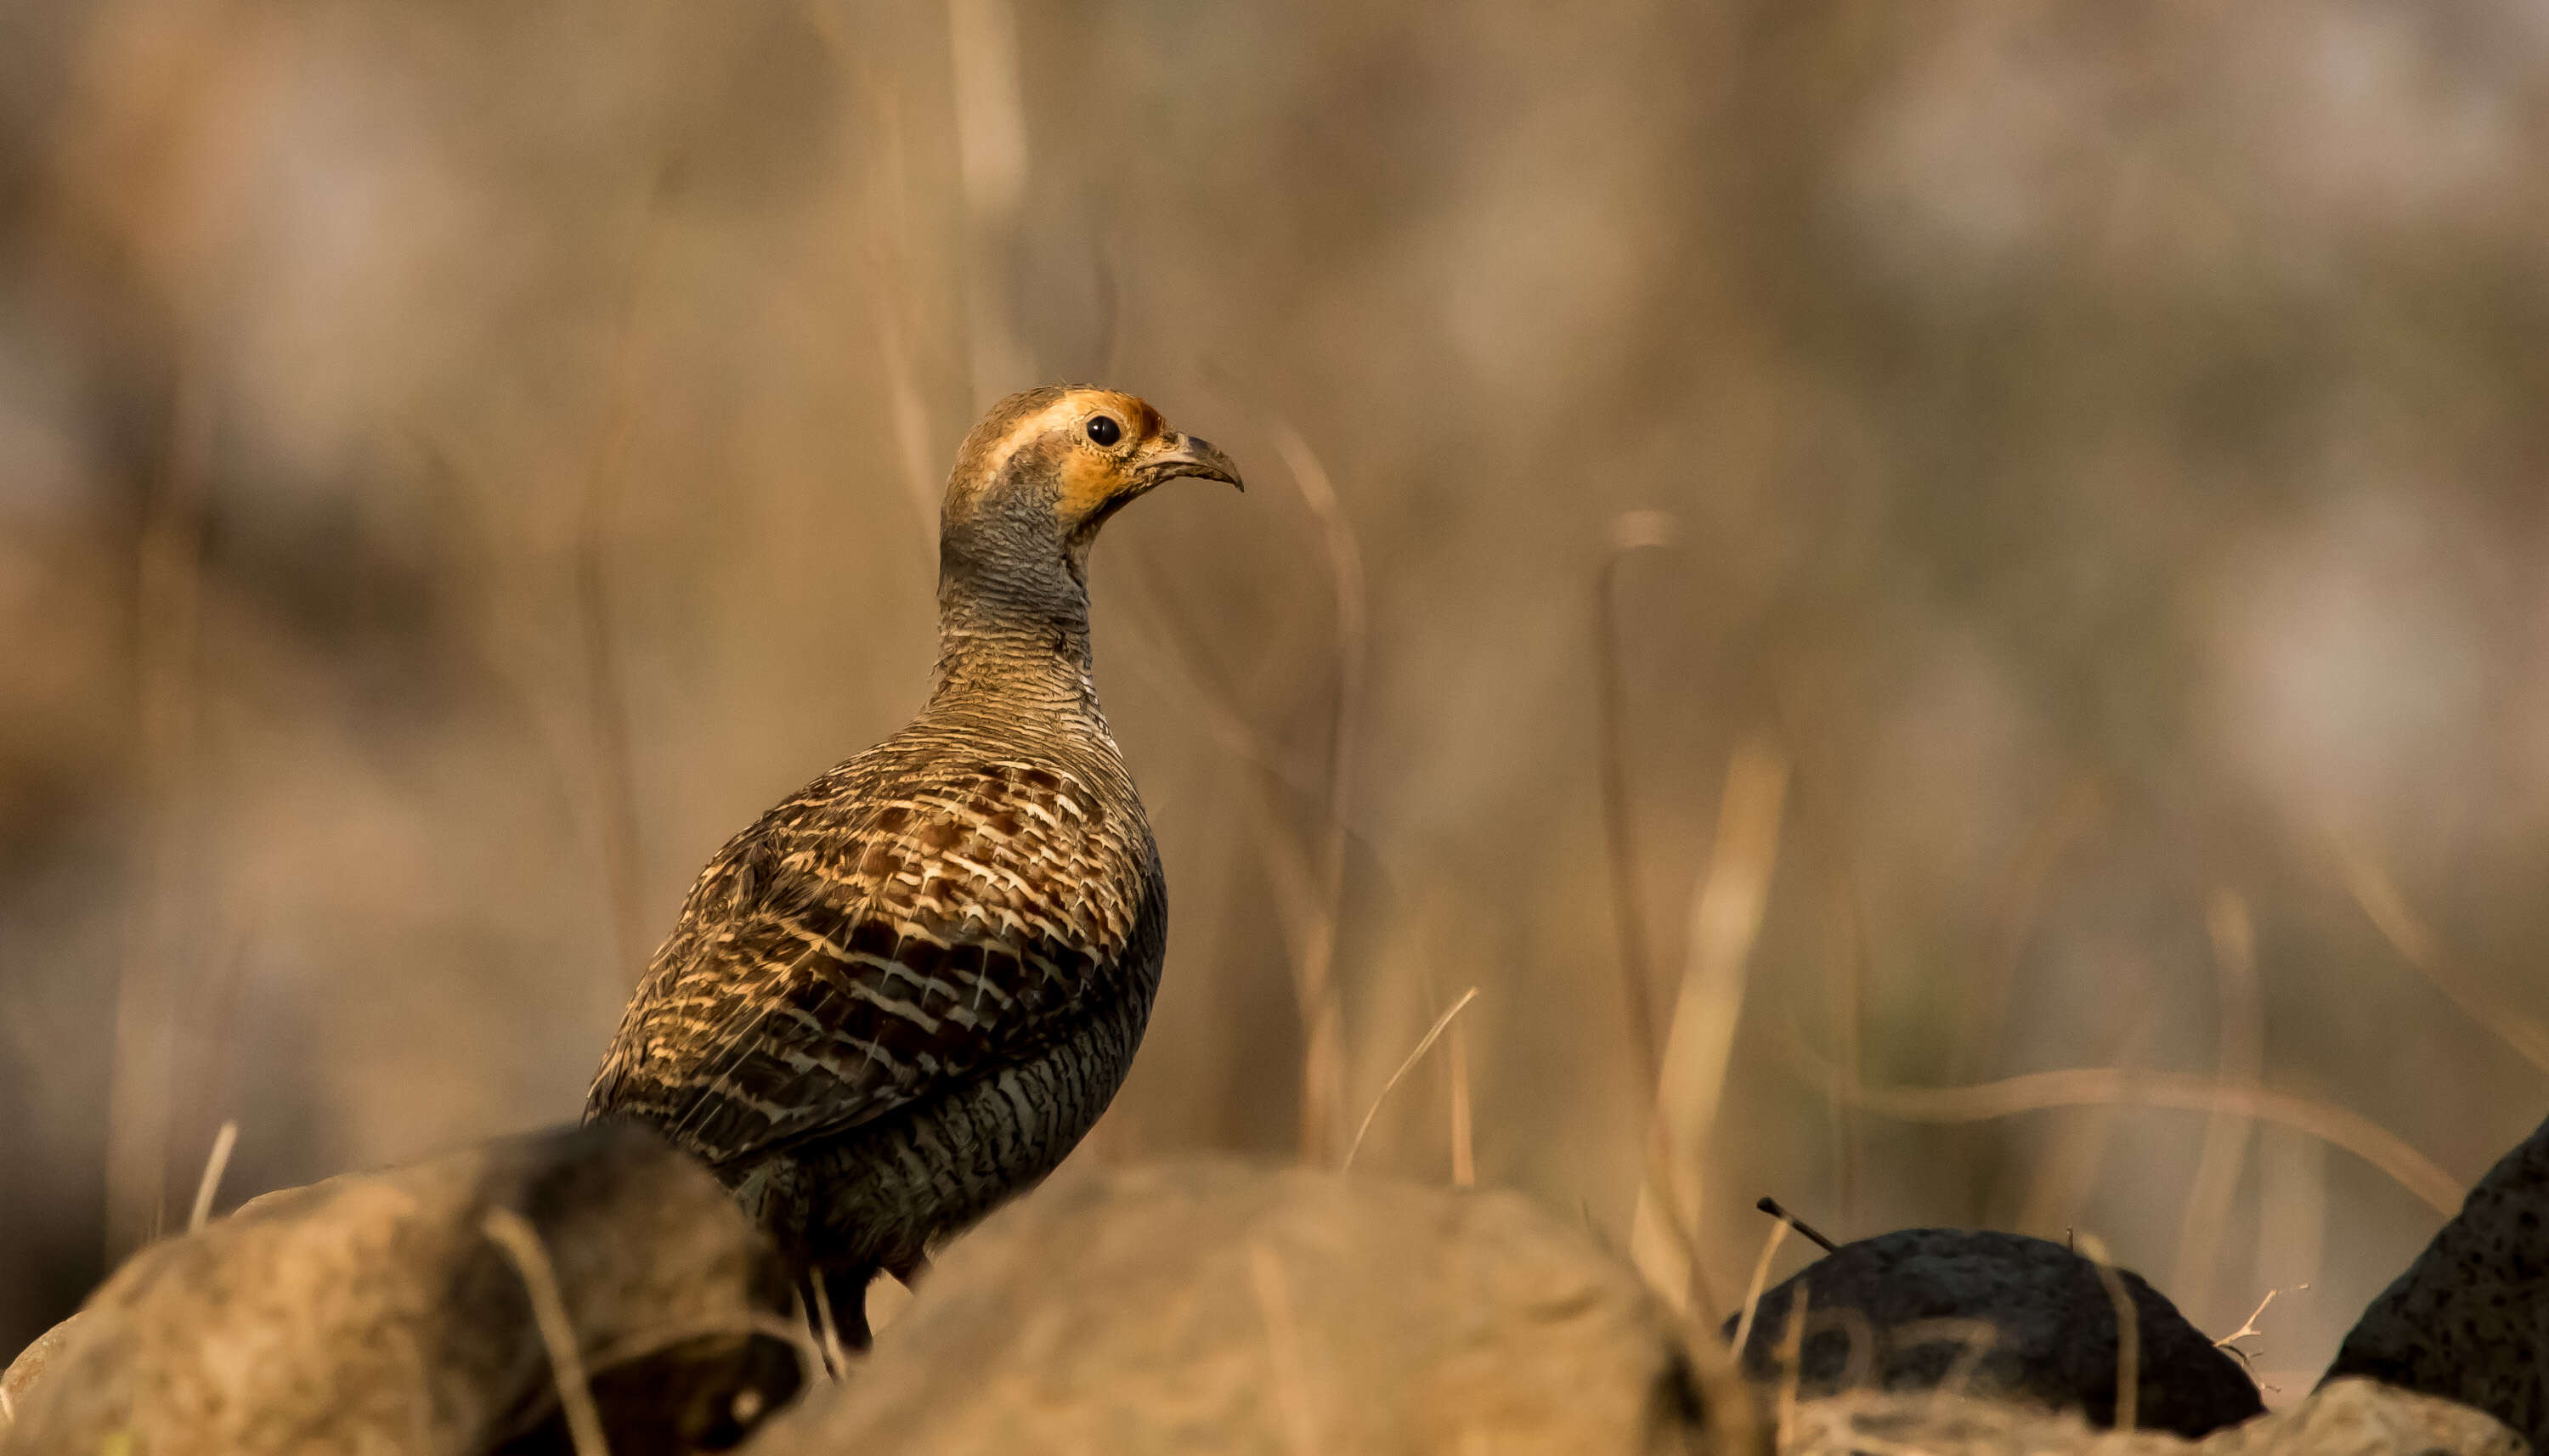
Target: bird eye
<point>1105,431</point>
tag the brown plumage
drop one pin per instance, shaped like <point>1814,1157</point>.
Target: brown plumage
<point>911,987</point>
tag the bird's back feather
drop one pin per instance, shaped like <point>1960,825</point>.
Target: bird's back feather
<point>950,899</point>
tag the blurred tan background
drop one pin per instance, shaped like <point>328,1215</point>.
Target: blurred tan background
<point>2067,481</point>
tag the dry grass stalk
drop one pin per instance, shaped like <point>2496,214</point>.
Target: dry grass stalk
<point>2175,1091</point>
<point>2065,1174</point>
<point>2416,942</point>
<point>2128,1348</point>
<point>1322,1056</point>
<point>2225,1134</point>
<point>1792,1365</point>
<point>167,648</point>
<point>513,1233</point>
<point>1724,919</point>
<point>613,785</point>
<point>211,1184</point>
<point>827,1331</point>
<point>1988,994</point>
<point>991,156</point>
<point>1631,531</point>
<point>1761,1281</point>
<point>1465,1158</point>
<point>1423,1045</point>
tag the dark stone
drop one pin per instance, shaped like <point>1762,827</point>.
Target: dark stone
<point>1869,1309</point>
<point>2469,1320</point>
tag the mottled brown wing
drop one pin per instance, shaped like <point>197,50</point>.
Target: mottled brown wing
<point>868,942</point>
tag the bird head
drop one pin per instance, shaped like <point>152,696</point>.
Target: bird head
<point>1043,471</point>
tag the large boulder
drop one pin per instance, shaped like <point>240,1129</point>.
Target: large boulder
<point>374,1313</point>
<point>2469,1320</point>
<point>2006,1315</point>
<point>1218,1307</point>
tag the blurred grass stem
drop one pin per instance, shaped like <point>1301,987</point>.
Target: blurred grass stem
<point>2174,1091</point>
<point>209,1186</point>
<point>1631,532</point>
<point>2225,1134</point>
<point>168,653</point>
<point>2128,1345</point>
<point>1725,914</point>
<point>1423,1045</point>
<point>513,1233</point>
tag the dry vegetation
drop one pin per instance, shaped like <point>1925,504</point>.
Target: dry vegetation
<point>1997,541</point>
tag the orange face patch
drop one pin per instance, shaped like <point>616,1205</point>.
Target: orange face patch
<point>1091,474</point>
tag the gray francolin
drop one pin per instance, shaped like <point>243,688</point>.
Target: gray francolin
<point>910,988</point>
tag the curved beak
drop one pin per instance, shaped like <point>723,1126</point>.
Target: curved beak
<point>1190,455</point>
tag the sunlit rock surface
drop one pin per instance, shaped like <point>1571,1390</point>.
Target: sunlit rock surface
<point>372,1312</point>
<point>1217,1307</point>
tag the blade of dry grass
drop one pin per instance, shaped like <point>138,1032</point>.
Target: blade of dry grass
<point>1423,1045</point>
<point>1323,1054</point>
<point>2173,1091</point>
<point>2128,1345</point>
<point>1988,993</point>
<point>1465,1158</point>
<point>1792,1366</point>
<point>167,630</point>
<point>513,1233</point>
<point>613,785</point>
<point>991,164</point>
<point>209,1186</point>
<point>1725,918</point>
<point>890,274</point>
<point>2064,1174</point>
<point>2225,1134</point>
<point>2408,934</point>
<point>1631,532</point>
<point>1761,1280</point>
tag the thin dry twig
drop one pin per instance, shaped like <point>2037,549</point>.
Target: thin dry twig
<point>210,1184</point>
<point>2175,1091</point>
<point>2128,1347</point>
<point>1423,1045</point>
<point>1780,1211</point>
<point>513,1233</point>
<point>2249,1326</point>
